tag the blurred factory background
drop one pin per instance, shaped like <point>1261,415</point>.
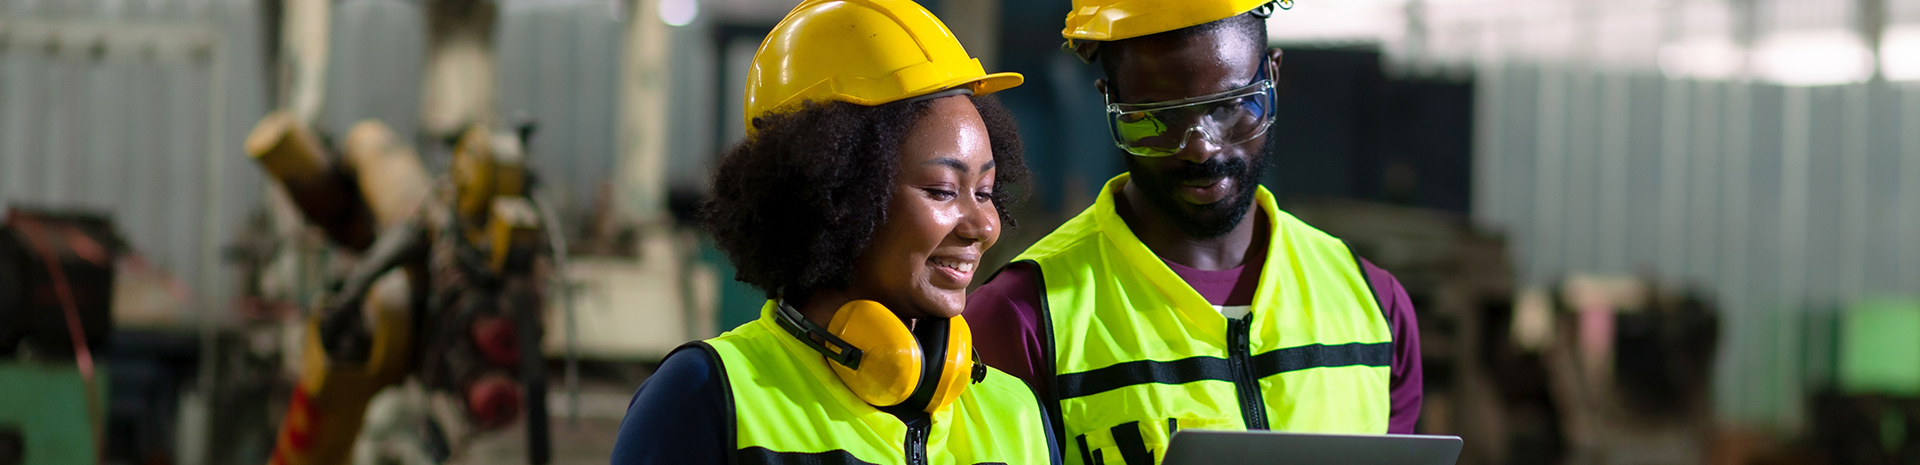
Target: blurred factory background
<point>1637,232</point>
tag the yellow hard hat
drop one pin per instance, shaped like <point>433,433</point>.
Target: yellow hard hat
<point>866,52</point>
<point>1110,20</point>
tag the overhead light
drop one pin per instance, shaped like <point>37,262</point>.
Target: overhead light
<point>1365,20</point>
<point>679,12</point>
<point>1707,58</point>
<point>1814,58</point>
<point>1900,53</point>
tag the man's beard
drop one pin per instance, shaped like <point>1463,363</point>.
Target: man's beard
<point>1210,220</point>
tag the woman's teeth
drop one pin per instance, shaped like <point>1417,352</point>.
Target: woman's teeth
<point>963,267</point>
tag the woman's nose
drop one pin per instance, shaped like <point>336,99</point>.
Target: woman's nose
<point>979,221</point>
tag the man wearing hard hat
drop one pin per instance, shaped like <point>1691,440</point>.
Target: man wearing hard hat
<point>875,172</point>
<point>1183,298</point>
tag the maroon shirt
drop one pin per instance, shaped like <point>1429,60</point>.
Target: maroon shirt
<point>1005,315</point>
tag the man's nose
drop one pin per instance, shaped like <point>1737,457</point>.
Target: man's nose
<point>1199,146</point>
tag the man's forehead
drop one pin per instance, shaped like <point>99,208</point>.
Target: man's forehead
<point>1152,69</point>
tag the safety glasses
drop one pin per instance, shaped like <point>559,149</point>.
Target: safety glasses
<point>1161,129</point>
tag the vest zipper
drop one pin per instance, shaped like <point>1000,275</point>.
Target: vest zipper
<point>1252,406</point>
<point>918,427</point>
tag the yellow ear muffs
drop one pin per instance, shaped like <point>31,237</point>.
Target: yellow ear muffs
<point>890,363</point>
<point>884,363</point>
<point>956,363</point>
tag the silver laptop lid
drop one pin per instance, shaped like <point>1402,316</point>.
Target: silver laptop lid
<point>1197,447</point>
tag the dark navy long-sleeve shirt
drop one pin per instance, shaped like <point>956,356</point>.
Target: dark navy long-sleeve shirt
<point>680,416</point>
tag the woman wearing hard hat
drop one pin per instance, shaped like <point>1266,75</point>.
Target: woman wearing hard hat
<point>873,177</point>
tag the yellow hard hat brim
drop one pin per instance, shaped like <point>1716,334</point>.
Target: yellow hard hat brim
<point>982,85</point>
<point>998,82</point>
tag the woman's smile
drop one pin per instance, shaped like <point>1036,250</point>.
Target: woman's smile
<point>953,271</point>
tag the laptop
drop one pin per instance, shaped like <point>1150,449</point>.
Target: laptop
<point>1197,447</point>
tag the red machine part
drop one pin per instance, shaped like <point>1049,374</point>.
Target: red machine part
<point>494,401</point>
<point>495,339</point>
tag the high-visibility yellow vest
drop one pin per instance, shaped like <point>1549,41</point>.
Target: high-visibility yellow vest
<point>1139,354</point>
<point>789,407</point>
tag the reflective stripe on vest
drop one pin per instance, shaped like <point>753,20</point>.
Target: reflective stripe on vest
<point>789,407</point>
<point>1139,354</point>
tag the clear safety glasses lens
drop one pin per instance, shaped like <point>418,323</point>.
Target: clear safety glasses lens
<point>1159,130</point>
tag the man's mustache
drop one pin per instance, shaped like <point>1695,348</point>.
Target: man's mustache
<point>1211,169</point>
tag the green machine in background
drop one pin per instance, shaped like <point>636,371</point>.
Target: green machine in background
<point>1879,348</point>
<point>45,417</point>
<point>1865,403</point>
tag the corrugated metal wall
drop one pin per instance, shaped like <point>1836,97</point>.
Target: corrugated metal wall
<point>559,65</point>
<point>1782,202</point>
<point>121,120</point>
<point>111,106</point>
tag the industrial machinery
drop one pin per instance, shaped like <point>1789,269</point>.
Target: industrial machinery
<point>56,294</point>
<point>1597,369</point>
<point>446,289</point>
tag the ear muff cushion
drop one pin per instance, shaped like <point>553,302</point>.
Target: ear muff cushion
<point>890,364</point>
<point>931,333</point>
<point>956,364</point>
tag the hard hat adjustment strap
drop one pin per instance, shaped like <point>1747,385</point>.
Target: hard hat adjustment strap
<point>935,95</point>
<point>1085,49</point>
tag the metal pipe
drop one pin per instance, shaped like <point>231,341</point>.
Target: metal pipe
<point>210,241</point>
<point>559,242</point>
<point>1910,189</point>
<point>1795,185</point>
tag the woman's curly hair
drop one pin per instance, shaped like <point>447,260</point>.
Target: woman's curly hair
<point>796,202</point>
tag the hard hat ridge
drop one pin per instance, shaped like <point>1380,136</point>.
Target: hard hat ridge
<point>866,52</point>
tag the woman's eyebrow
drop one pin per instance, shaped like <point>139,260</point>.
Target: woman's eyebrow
<point>957,165</point>
<point>950,163</point>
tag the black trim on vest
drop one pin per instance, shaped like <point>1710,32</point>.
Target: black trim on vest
<point>1208,368</point>
<point>1086,453</point>
<point>1120,375</point>
<point>1056,415</point>
<point>1377,301</point>
<point>1277,361</point>
<point>1056,445</point>
<point>757,455</point>
<point>1380,302</point>
<point>726,395</point>
<point>1133,448</point>
<point>1003,268</point>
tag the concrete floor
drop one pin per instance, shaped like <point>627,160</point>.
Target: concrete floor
<point>588,441</point>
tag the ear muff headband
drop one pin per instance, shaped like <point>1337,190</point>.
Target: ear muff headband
<point>884,363</point>
<point>836,349</point>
